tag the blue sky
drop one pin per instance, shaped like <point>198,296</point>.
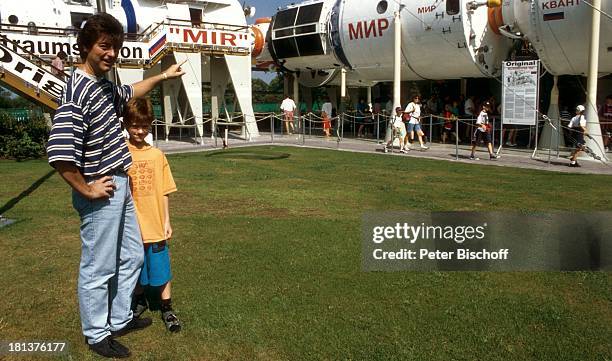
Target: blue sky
<point>266,8</point>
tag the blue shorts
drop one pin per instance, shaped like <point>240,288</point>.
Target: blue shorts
<point>156,268</point>
<point>579,139</point>
<point>414,127</point>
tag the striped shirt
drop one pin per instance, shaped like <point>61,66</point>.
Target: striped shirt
<point>86,129</point>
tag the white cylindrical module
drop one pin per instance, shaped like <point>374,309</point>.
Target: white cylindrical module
<point>442,40</point>
<point>559,31</point>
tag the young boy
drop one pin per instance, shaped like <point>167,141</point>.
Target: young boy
<point>152,183</point>
<point>398,129</point>
<point>578,129</point>
<point>481,133</point>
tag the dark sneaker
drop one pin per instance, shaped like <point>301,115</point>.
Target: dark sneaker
<point>110,348</point>
<point>139,310</point>
<point>493,156</point>
<point>472,157</point>
<point>134,325</point>
<point>139,307</point>
<point>575,164</point>
<point>171,321</point>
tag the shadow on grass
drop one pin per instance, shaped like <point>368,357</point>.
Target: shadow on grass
<point>13,202</point>
<point>249,155</point>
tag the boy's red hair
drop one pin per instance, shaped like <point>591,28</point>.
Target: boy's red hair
<point>138,110</point>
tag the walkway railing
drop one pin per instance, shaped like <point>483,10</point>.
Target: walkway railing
<point>375,129</point>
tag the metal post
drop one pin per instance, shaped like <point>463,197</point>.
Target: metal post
<point>377,127</point>
<point>215,132</point>
<point>272,128</point>
<point>303,130</point>
<point>559,135</point>
<point>550,146</point>
<point>535,149</point>
<point>341,118</point>
<point>430,128</point>
<point>493,135</point>
<point>456,139</point>
<point>310,125</point>
<point>501,137</point>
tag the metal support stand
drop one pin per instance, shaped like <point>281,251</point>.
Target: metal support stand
<point>377,127</point>
<point>303,121</point>
<point>456,139</point>
<point>430,128</point>
<point>535,149</point>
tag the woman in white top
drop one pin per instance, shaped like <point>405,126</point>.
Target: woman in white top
<point>414,123</point>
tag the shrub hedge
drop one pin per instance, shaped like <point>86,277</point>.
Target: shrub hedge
<point>22,139</point>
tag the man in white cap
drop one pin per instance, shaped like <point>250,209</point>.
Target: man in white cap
<point>578,129</point>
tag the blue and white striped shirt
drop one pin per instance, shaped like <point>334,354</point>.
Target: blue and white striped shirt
<point>86,129</point>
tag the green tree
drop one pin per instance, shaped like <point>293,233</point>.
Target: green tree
<point>8,100</point>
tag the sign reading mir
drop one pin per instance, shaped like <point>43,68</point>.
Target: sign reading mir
<point>210,37</point>
<point>368,29</point>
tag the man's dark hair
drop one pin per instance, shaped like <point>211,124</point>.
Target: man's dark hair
<point>95,27</point>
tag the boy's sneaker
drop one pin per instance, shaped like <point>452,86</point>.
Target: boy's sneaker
<point>171,321</point>
<point>574,164</point>
<point>139,309</point>
<point>493,156</point>
<point>139,305</point>
<point>403,151</point>
<point>472,157</point>
<point>424,147</point>
<point>110,348</point>
<point>134,325</point>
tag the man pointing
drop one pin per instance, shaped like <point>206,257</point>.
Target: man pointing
<point>88,150</point>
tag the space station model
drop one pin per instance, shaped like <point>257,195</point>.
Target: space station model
<point>440,39</point>
<point>213,36</point>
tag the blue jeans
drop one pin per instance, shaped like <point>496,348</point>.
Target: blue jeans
<point>111,258</point>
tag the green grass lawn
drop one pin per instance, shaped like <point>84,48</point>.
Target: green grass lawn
<point>267,263</point>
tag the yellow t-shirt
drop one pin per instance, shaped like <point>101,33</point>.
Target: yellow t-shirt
<point>150,181</point>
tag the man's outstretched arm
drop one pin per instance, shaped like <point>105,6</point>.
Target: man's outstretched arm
<point>143,87</point>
